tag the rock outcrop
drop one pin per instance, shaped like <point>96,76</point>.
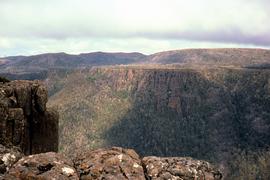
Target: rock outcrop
<point>43,166</point>
<point>25,121</point>
<point>179,168</point>
<point>114,163</point>
<point>8,156</point>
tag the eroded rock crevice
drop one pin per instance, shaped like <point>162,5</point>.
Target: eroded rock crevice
<point>25,121</point>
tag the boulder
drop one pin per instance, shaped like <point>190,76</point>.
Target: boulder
<point>114,163</point>
<point>44,166</point>
<point>179,168</point>
<point>8,156</point>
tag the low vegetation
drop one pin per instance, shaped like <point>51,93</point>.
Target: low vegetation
<point>249,165</point>
<point>4,80</point>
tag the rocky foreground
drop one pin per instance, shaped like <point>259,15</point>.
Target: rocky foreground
<point>113,163</point>
<point>28,128</point>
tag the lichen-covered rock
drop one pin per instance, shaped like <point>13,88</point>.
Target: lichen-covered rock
<point>45,166</point>
<point>179,168</point>
<point>24,119</point>
<point>41,98</point>
<point>115,163</point>
<point>8,156</point>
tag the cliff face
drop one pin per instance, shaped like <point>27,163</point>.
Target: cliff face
<point>27,125</point>
<point>202,113</point>
<point>24,119</point>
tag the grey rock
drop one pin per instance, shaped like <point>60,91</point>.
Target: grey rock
<point>114,163</point>
<point>8,156</point>
<point>182,168</point>
<point>44,166</point>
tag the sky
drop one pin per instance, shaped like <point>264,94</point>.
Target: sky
<point>148,26</point>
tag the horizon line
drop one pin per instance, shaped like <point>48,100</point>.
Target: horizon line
<point>130,52</point>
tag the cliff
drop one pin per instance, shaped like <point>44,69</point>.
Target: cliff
<point>29,127</point>
<point>201,113</point>
<point>26,122</point>
<point>206,113</point>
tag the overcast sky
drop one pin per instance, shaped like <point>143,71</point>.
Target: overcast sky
<point>148,26</point>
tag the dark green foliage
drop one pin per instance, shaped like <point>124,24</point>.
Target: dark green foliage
<point>259,66</point>
<point>57,80</point>
<point>38,75</point>
<point>56,87</point>
<point>95,76</point>
<point>163,131</point>
<point>249,165</point>
<point>91,79</point>
<point>4,80</point>
<point>123,94</point>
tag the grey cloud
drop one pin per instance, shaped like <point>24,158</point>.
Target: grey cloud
<point>28,19</point>
<point>232,36</point>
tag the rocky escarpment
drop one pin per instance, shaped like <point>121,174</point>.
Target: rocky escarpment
<point>25,121</point>
<point>202,113</point>
<point>28,127</point>
<point>112,163</point>
<point>205,113</point>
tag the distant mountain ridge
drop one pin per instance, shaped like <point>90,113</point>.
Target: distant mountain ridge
<point>38,66</point>
<point>226,56</point>
<point>63,60</point>
<point>223,56</point>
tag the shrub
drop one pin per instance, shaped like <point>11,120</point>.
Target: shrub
<point>4,80</point>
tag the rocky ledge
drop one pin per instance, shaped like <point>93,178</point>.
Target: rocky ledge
<point>25,121</point>
<point>113,163</point>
